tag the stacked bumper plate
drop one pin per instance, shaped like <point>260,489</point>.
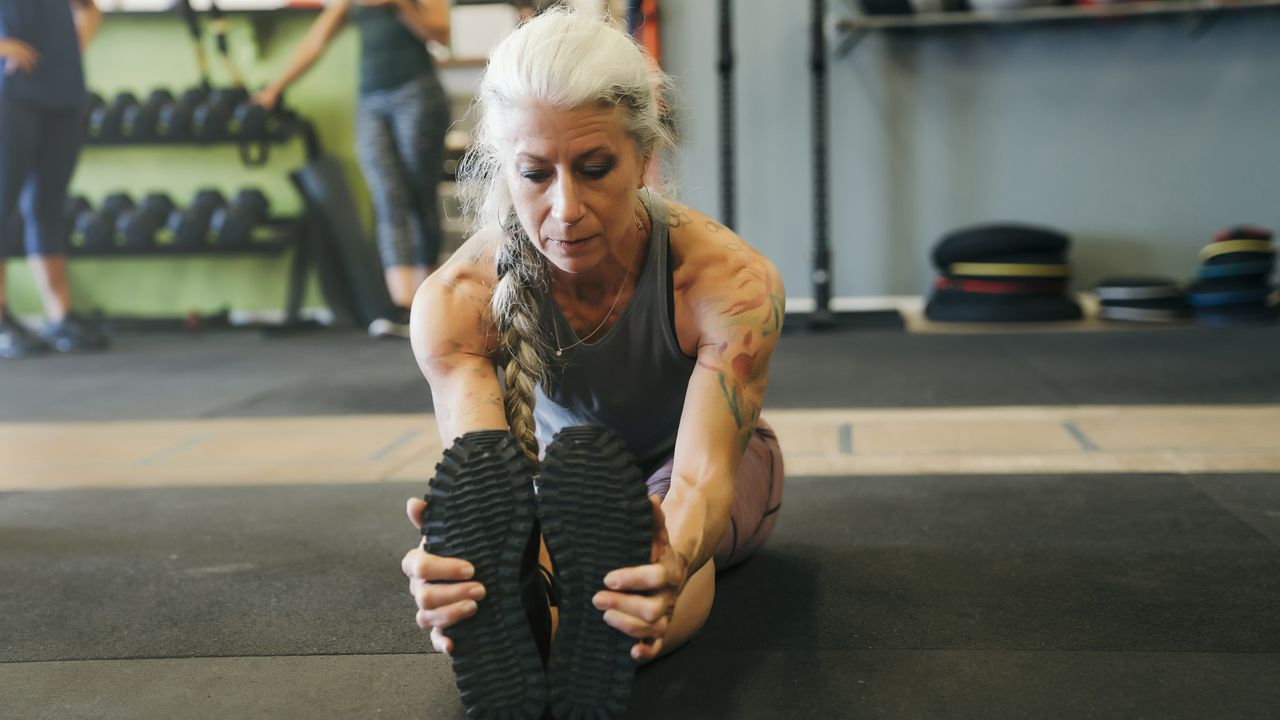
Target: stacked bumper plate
<point>1002,273</point>
<point>1142,299</point>
<point>1233,286</point>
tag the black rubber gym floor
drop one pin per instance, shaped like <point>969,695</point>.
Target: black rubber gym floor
<point>1102,596</point>
<point>242,374</point>
<point>1006,597</point>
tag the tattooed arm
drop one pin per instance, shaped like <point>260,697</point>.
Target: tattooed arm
<point>736,305</point>
<point>454,340</point>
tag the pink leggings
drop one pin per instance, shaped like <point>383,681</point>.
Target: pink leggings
<point>756,499</point>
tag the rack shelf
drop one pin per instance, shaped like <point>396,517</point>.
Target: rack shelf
<point>1146,8</point>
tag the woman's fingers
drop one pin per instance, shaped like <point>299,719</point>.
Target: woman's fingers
<point>441,643</point>
<point>638,579</point>
<point>635,627</point>
<point>442,618</point>
<point>429,596</point>
<point>643,652</point>
<point>414,508</point>
<point>420,564</point>
<point>649,608</point>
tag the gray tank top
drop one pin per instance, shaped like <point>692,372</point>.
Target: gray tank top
<point>633,379</point>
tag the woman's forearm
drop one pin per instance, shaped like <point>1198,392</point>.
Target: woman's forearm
<point>427,19</point>
<point>313,45</point>
<point>697,515</point>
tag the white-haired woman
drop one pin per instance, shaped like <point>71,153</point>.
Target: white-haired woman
<point>602,303</point>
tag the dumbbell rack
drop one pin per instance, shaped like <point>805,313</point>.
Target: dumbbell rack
<point>285,232</point>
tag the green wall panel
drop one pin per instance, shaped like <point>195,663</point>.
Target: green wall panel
<point>141,53</point>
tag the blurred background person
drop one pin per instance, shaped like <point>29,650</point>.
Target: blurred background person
<point>402,117</point>
<point>42,99</point>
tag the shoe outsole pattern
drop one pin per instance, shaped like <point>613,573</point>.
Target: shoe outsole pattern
<point>480,507</point>
<point>594,509</point>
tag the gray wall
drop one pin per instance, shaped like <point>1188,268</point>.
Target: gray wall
<point>1136,138</point>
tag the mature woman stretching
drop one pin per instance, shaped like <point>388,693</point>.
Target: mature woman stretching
<point>603,304</point>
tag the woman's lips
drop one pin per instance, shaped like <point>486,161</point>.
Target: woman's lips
<point>573,243</point>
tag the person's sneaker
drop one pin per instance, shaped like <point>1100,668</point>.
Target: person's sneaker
<point>595,514</point>
<point>394,325</point>
<point>73,334</point>
<point>480,508</point>
<point>16,341</point>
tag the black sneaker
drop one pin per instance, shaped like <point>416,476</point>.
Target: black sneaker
<point>73,335</point>
<point>480,508</point>
<point>594,509</point>
<point>394,325</point>
<point>16,341</point>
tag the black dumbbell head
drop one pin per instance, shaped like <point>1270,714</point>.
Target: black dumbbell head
<point>254,202</point>
<point>190,228</point>
<point>208,200</point>
<point>174,120</point>
<point>159,205</point>
<point>137,228</point>
<point>249,122</point>
<point>117,203</point>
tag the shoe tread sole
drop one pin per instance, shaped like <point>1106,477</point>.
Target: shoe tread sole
<point>480,508</point>
<point>594,509</point>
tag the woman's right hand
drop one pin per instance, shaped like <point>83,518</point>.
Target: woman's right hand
<point>18,56</point>
<point>440,604</point>
<point>268,97</point>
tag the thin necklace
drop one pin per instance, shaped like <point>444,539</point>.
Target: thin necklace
<point>616,298</point>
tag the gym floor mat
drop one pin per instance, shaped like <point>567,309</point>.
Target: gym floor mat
<point>1001,597</point>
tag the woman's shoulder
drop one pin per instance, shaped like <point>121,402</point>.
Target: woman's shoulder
<point>463,286</point>
<point>709,257</point>
<point>717,276</point>
<point>473,261</point>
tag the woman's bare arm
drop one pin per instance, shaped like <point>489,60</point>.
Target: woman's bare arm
<point>88,19</point>
<point>313,45</point>
<point>738,305</point>
<point>454,340</point>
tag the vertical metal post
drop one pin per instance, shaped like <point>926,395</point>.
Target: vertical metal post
<point>821,247</point>
<point>727,187</point>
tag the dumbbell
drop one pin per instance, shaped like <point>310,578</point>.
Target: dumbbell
<point>138,226</point>
<point>249,122</point>
<point>95,102</point>
<point>105,121</point>
<point>173,122</point>
<point>212,118</point>
<point>140,122</point>
<point>99,227</point>
<point>76,209</point>
<point>232,226</point>
<point>76,206</point>
<point>190,227</point>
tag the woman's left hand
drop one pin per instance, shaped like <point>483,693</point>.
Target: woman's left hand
<point>640,600</point>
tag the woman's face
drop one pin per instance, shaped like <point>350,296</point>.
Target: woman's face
<point>573,176</point>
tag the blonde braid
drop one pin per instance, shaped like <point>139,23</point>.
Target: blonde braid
<point>517,310</point>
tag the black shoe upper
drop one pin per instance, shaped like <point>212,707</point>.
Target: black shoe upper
<point>16,341</point>
<point>75,334</point>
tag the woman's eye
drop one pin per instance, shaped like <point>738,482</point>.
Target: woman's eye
<point>534,175</point>
<point>597,171</point>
